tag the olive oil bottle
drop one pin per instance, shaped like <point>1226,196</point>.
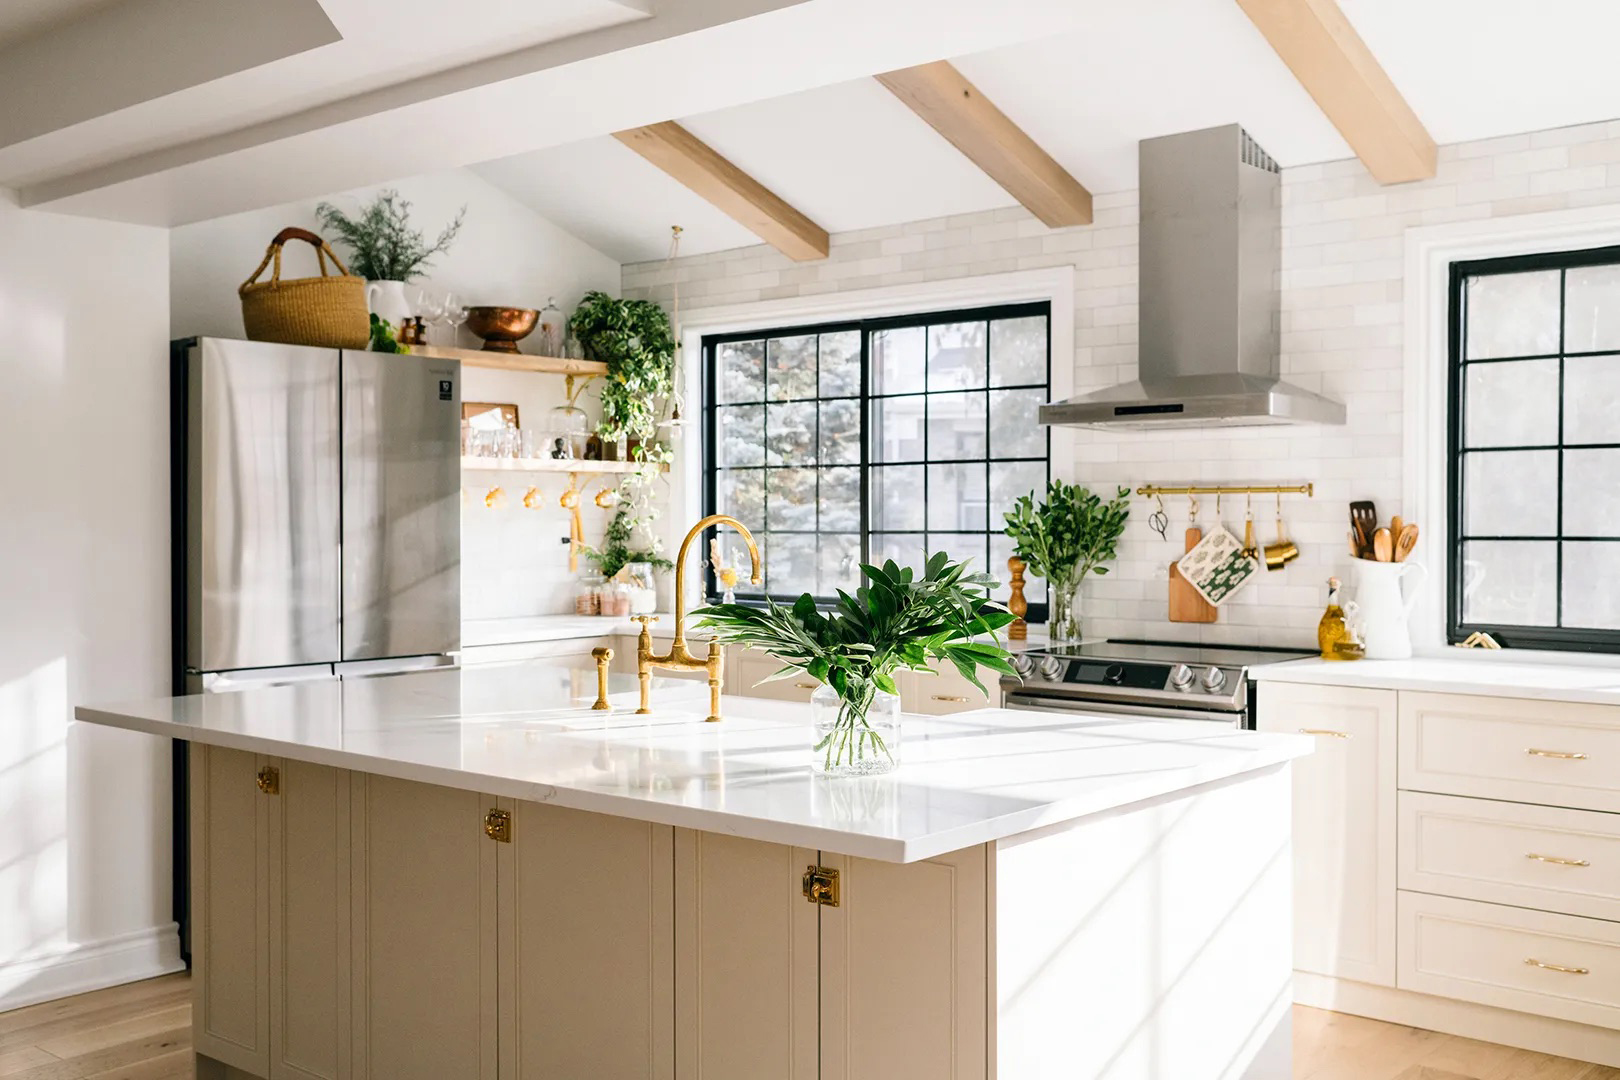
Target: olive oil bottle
<point>1332,632</point>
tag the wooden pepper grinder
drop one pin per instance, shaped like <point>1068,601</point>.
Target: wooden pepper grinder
<point>1019,630</point>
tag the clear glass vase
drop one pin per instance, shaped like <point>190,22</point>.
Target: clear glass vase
<point>855,738</point>
<point>1063,624</point>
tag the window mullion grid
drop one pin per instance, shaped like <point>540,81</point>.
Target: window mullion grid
<point>1558,524</point>
<point>815,451</point>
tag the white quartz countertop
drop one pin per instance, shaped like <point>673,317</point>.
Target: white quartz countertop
<point>1470,672</point>
<point>526,731</point>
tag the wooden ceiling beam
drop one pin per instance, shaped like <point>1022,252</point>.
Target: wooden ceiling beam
<point>1328,57</point>
<point>696,165</point>
<point>956,109</point>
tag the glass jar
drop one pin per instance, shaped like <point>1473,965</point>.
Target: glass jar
<point>854,738</point>
<point>588,597</point>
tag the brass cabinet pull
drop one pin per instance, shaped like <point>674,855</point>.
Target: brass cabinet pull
<point>1561,755</point>
<point>821,885</point>
<point>269,780</point>
<point>1555,860</point>
<point>1533,962</point>
<point>1329,732</point>
<point>498,826</point>
<point>950,697</point>
<point>805,685</point>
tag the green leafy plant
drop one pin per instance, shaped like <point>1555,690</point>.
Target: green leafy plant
<point>1068,535</point>
<point>898,620</point>
<point>382,244</point>
<point>382,337</point>
<point>634,518</point>
<point>632,337</point>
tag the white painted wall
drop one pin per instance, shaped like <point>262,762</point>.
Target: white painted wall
<point>84,811</point>
<point>1343,286</point>
<point>512,561</point>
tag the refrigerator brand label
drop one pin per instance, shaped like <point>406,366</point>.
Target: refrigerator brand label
<point>445,390</point>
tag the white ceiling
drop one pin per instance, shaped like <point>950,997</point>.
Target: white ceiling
<point>21,18</point>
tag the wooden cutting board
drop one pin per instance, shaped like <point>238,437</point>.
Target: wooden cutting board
<point>1185,603</point>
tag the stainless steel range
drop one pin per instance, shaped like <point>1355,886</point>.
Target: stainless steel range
<point>1155,679</point>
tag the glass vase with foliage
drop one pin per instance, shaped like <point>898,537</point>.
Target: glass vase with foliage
<point>1064,537</point>
<point>633,338</point>
<point>898,621</point>
<point>382,245</point>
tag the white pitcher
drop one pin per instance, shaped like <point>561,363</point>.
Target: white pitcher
<point>387,301</point>
<point>1384,610</point>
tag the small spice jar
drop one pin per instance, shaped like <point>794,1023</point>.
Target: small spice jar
<point>588,598</point>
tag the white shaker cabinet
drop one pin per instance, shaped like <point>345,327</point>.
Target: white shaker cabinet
<point>1344,827</point>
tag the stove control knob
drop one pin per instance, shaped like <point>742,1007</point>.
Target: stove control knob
<point>1213,679</point>
<point>1181,677</point>
<point>1023,663</point>
<point>1114,675</point>
<point>1052,668</point>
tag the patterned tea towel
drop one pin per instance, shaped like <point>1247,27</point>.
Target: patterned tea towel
<point>1217,567</point>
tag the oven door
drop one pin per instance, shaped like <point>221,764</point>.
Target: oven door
<point>1025,700</point>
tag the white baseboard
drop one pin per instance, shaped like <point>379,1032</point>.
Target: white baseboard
<point>92,965</point>
<point>1543,1034</point>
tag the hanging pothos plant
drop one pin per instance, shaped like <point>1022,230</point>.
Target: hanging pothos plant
<point>633,338</point>
<point>630,536</point>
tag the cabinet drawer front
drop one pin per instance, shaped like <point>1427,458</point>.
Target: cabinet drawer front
<point>753,666</point>
<point>946,692</point>
<point>1520,750</point>
<point>1540,857</point>
<point>1551,965</point>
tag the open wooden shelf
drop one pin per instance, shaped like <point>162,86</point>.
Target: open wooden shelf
<point>545,365</point>
<point>552,465</point>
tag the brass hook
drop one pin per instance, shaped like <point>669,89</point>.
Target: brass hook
<point>1192,509</point>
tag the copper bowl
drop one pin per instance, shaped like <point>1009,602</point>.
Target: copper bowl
<point>502,327</point>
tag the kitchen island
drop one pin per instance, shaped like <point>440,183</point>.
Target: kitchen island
<point>468,873</point>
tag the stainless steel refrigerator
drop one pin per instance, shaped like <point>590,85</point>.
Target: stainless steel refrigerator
<point>320,523</point>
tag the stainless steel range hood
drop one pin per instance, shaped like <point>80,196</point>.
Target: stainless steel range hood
<point>1209,240</point>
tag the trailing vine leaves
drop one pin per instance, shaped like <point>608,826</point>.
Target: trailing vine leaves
<point>633,338</point>
<point>899,620</point>
<point>1070,534</point>
<point>381,242</point>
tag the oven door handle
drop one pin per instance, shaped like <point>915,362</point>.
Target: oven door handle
<point>1143,712</point>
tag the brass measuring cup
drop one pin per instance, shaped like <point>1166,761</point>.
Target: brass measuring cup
<point>1284,551</point>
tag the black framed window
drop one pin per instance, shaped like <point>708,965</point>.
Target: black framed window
<point>1534,426</point>
<point>865,440</point>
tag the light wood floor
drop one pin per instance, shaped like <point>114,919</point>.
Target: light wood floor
<point>143,1032</point>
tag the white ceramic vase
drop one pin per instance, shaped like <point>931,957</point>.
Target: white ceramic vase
<point>386,299</point>
<point>1385,609</point>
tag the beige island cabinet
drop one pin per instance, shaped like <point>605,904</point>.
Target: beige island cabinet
<point>469,873</point>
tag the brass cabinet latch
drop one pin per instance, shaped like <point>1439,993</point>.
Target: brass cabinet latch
<point>821,885</point>
<point>269,780</point>
<point>498,826</point>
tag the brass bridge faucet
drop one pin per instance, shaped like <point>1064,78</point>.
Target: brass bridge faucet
<point>680,657</point>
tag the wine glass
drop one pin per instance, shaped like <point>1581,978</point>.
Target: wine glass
<point>452,313</point>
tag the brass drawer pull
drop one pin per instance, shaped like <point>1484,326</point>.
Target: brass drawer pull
<point>1329,732</point>
<point>269,780</point>
<point>1561,755</point>
<point>1533,962</point>
<point>1555,860</point>
<point>805,685</point>
<point>951,697</point>
<point>498,826</point>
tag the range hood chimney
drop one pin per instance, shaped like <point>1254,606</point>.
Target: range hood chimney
<point>1209,240</point>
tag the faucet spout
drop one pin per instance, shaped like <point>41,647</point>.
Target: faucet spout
<point>679,644</point>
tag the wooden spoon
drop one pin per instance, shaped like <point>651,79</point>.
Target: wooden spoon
<point>1405,542</point>
<point>1364,519</point>
<point>1396,523</point>
<point>1383,545</point>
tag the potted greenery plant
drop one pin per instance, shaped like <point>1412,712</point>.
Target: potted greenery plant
<point>898,621</point>
<point>633,338</point>
<point>1062,539</point>
<point>385,250</point>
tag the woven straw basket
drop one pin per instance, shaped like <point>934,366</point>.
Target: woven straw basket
<point>329,310</point>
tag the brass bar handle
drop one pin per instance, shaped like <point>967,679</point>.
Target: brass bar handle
<point>1555,860</point>
<point>1562,755</point>
<point>269,780</point>
<point>1327,732</point>
<point>1150,490</point>
<point>1533,962</point>
<point>958,698</point>
<point>805,685</point>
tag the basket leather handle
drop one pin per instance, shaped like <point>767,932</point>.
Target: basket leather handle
<point>323,251</point>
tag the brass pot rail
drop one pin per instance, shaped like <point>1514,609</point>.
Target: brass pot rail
<point>1308,490</point>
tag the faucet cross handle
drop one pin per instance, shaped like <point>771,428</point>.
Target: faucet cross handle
<point>644,620</point>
